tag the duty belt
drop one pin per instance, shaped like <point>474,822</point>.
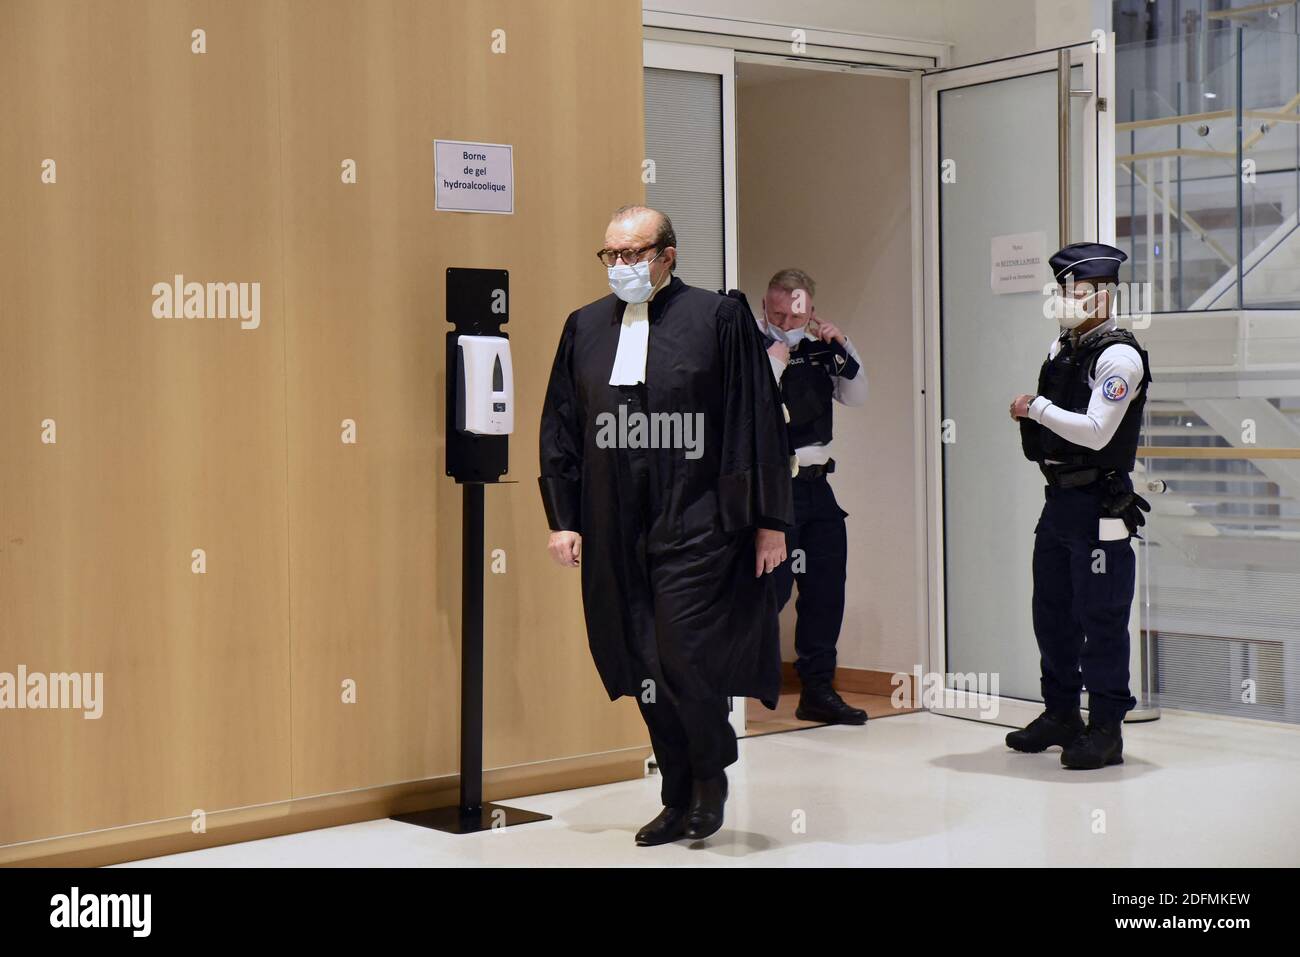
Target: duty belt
<point>1069,476</point>
<point>815,471</point>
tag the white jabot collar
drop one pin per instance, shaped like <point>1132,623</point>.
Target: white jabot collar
<point>633,340</point>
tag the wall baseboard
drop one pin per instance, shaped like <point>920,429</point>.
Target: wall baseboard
<point>853,680</point>
<point>134,842</point>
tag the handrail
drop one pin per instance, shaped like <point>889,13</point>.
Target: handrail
<point>1280,116</point>
<point>1238,13</point>
<point>1207,452</point>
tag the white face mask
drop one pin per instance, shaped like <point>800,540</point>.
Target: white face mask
<point>792,337</point>
<point>631,283</point>
<point>1070,312</point>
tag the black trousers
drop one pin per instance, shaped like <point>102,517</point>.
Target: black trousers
<point>692,740</point>
<point>1083,591</point>
<point>820,534</point>
<point>689,730</point>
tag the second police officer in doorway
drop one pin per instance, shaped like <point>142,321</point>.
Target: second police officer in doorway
<point>816,366</point>
<point>1082,430</point>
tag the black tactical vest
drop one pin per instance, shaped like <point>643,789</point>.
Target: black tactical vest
<point>808,389</point>
<point>1064,381</point>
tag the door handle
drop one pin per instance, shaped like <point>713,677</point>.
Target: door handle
<point>1063,94</point>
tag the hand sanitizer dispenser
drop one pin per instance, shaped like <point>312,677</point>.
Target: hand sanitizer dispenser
<point>485,385</point>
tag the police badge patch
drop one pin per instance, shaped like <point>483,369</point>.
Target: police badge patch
<point>1114,388</point>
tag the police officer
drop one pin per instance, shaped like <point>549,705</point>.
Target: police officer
<point>816,365</point>
<point>1082,430</point>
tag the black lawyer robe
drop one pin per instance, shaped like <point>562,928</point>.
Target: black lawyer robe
<point>668,585</point>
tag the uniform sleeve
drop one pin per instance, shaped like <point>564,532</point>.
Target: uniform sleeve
<point>754,480</point>
<point>851,383</point>
<point>560,441</point>
<point>1117,376</point>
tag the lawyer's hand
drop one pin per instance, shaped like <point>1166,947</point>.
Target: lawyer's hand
<point>769,550</point>
<point>565,548</point>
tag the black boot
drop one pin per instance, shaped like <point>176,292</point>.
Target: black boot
<point>707,800</point>
<point>1099,746</point>
<point>819,702</point>
<point>669,826</point>
<point>1049,728</point>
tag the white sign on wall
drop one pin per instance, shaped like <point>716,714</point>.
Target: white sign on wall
<point>474,177</point>
<point>1019,263</point>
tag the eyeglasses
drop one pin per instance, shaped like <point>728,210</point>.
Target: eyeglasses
<point>611,257</point>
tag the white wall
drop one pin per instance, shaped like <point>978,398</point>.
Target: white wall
<point>979,29</point>
<point>1059,22</point>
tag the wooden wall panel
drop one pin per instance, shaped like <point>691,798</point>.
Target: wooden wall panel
<point>170,432</point>
<point>325,561</point>
<point>375,526</point>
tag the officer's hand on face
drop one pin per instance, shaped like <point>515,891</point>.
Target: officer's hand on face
<point>827,331</point>
<point>1020,406</point>
<point>565,548</point>
<point>779,351</point>
<point>769,550</point>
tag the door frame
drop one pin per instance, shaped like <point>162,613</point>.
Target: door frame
<point>712,44</point>
<point>1097,60</point>
<point>826,45</point>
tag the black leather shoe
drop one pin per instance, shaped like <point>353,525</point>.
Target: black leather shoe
<point>1099,746</point>
<point>1049,728</point>
<point>821,703</point>
<point>707,800</point>
<point>669,826</point>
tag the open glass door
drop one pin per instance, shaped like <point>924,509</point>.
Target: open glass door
<point>1003,143</point>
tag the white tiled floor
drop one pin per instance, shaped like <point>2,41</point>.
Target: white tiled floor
<point>917,789</point>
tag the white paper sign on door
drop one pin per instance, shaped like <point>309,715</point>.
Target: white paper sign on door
<point>1019,263</point>
<point>474,177</point>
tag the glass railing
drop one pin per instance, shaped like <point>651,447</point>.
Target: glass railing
<point>1207,185</point>
<point>1219,462</point>
<point>1208,168</point>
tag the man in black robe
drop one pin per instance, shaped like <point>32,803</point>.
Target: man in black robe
<point>665,468</point>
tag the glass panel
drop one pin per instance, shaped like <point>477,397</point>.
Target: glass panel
<point>1220,565</point>
<point>1175,144</point>
<point>999,138</point>
<point>1184,215</point>
<point>1270,88</point>
<point>683,134</point>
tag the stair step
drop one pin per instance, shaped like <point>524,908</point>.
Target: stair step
<point>1172,430</point>
<point>1196,499</point>
<point>1200,474</point>
<point>1286,521</point>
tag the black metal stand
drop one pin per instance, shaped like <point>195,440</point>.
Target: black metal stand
<point>471,814</point>
<point>473,460</point>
